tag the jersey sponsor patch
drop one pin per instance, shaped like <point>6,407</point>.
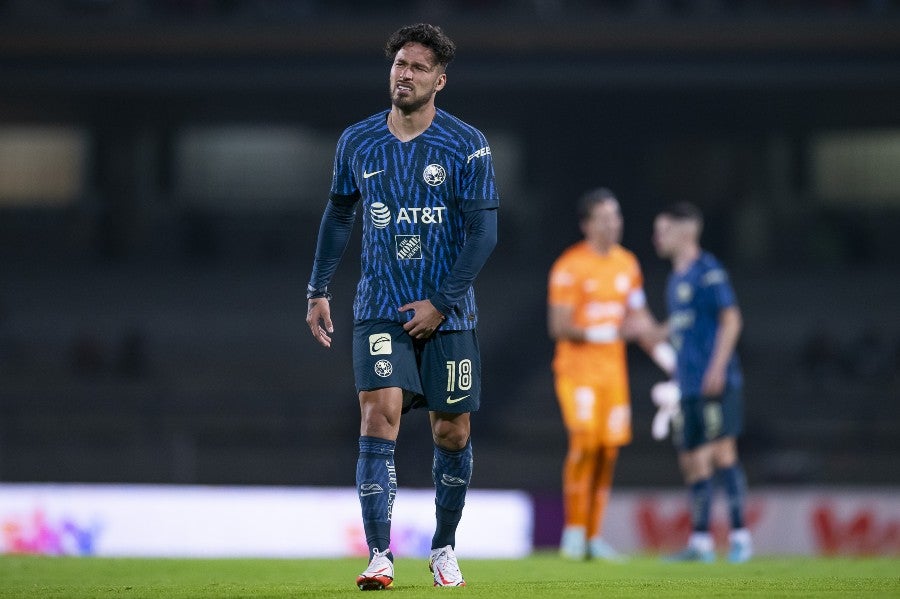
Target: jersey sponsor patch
<point>485,151</point>
<point>409,247</point>
<point>380,214</point>
<point>428,215</point>
<point>380,344</point>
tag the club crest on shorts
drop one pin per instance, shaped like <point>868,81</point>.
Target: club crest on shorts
<point>383,368</point>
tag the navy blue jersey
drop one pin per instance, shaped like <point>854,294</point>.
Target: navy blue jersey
<point>694,298</point>
<point>413,196</point>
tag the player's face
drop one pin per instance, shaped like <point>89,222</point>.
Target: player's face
<point>415,77</point>
<point>660,230</point>
<point>666,236</point>
<point>604,225</point>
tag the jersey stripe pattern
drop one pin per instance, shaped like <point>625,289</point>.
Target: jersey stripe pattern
<point>413,196</point>
<point>694,298</point>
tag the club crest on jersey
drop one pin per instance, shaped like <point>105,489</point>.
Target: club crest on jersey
<point>434,174</point>
<point>684,292</point>
<point>409,247</point>
<point>380,214</point>
<point>383,368</point>
<point>380,344</point>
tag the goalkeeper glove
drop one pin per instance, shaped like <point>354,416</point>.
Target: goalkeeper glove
<point>667,398</point>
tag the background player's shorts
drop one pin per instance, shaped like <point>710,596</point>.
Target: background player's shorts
<point>703,419</point>
<point>603,412</point>
<point>442,372</point>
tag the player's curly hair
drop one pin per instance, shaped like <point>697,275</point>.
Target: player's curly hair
<point>429,36</point>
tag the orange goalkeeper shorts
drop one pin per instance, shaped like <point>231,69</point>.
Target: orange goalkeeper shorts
<point>602,412</point>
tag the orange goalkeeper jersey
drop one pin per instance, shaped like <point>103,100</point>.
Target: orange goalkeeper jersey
<point>600,289</point>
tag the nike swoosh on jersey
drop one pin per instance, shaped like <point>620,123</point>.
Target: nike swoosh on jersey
<point>452,400</point>
<point>372,174</point>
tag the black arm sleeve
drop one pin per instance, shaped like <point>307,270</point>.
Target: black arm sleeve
<point>334,235</point>
<point>481,237</point>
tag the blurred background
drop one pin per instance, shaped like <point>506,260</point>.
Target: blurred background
<point>164,165</point>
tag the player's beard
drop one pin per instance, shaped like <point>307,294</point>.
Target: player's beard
<point>411,103</point>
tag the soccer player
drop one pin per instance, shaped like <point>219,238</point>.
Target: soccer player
<point>704,326</point>
<point>596,299</point>
<point>424,183</point>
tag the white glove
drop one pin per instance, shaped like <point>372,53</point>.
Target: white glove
<point>665,357</point>
<point>601,333</point>
<point>667,398</point>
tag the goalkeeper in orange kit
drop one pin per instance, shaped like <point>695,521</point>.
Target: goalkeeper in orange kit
<point>595,301</point>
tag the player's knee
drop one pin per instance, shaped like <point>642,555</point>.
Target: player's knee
<point>379,423</point>
<point>724,452</point>
<point>449,435</point>
<point>584,444</point>
<point>695,465</point>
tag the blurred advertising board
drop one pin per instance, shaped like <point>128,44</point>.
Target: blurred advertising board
<point>805,521</point>
<point>201,521</point>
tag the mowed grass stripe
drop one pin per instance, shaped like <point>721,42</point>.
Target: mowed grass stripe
<point>26,577</point>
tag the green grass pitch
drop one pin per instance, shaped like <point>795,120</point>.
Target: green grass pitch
<point>543,575</point>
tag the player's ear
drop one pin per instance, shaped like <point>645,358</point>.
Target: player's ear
<point>441,82</point>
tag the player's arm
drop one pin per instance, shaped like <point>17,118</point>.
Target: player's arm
<point>727,335</point>
<point>481,238</point>
<point>640,326</point>
<point>560,323</point>
<point>561,326</point>
<point>334,235</point>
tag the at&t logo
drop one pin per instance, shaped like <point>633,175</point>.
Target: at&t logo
<point>381,215</point>
<point>428,215</point>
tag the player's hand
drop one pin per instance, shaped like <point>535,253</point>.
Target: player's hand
<point>318,317</point>
<point>639,325</point>
<point>425,321</point>
<point>713,384</point>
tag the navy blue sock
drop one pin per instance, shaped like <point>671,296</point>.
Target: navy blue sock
<point>452,472</point>
<point>376,484</point>
<point>735,483</point>
<point>701,502</point>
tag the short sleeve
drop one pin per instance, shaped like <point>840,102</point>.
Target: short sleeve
<point>562,288</point>
<point>343,182</point>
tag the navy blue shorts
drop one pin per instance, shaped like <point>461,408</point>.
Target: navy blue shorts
<point>442,373</point>
<point>705,419</point>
